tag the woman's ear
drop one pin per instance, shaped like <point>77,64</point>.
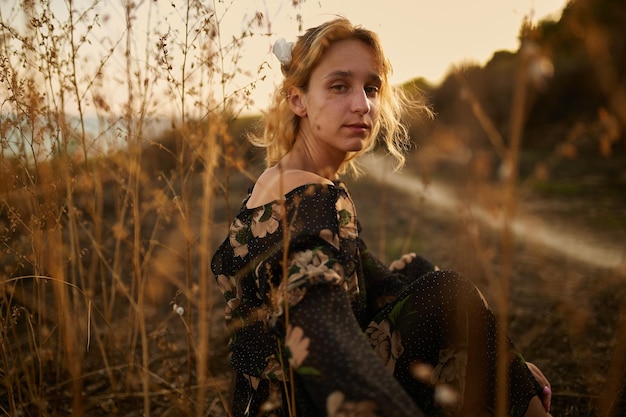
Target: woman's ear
<point>296,101</point>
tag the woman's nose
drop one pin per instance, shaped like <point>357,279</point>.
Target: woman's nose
<point>360,102</point>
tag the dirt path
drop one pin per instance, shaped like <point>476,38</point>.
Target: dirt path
<point>567,286</point>
<point>594,250</point>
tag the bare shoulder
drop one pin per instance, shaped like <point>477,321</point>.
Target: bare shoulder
<point>274,183</point>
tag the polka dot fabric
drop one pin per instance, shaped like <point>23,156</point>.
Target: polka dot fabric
<point>319,320</point>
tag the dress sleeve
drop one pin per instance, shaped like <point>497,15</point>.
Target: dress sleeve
<point>317,247</point>
<point>334,369</point>
<point>384,283</point>
<point>334,363</point>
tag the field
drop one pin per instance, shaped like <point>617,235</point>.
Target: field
<point>110,211</point>
<point>564,311</point>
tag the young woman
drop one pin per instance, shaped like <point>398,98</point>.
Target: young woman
<point>320,326</point>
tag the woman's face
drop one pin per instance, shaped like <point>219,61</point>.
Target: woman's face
<point>340,108</point>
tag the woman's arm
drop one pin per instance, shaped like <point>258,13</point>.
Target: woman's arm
<point>383,284</point>
<point>334,362</point>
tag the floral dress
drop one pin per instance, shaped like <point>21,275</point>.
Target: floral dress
<point>320,327</point>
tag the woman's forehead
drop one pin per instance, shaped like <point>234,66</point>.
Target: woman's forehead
<point>348,58</point>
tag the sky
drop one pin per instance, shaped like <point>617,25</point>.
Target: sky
<point>421,38</point>
<point>424,38</point>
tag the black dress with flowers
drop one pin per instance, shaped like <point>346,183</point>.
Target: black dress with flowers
<point>321,327</point>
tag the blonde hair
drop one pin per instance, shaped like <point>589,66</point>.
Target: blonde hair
<point>281,124</point>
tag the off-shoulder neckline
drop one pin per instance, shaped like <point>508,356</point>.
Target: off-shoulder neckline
<point>334,184</point>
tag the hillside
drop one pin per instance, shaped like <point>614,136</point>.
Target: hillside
<point>563,93</point>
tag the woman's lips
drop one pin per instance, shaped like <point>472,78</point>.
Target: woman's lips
<point>358,127</point>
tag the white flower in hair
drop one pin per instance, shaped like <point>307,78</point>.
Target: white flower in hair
<point>282,50</point>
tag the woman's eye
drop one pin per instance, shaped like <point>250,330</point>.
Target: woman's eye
<point>338,87</point>
<point>372,91</point>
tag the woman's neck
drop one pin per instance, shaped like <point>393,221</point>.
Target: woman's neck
<point>306,158</point>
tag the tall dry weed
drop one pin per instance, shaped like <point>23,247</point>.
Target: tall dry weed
<point>114,142</point>
<point>108,206</point>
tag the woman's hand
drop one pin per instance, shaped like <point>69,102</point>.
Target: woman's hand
<point>546,395</point>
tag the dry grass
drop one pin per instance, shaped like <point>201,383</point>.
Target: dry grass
<point>108,306</point>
